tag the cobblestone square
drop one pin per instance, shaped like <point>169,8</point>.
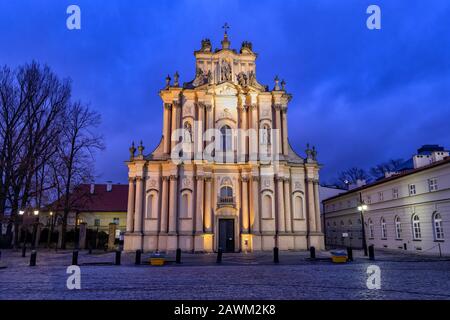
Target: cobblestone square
<point>240,276</point>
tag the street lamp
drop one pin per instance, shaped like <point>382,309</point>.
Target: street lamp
<point>21,212</point>
<point>362,208</point>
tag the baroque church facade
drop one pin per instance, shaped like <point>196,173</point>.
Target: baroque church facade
<point>224,174</point>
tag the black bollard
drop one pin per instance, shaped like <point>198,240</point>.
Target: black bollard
<point>275,255</point>
<point>349,254</point>
<point>24,250</point>
<point>312,252</point>
<point>75,258</point>
<point>33,258</point>
<point>138,257</point>
<point>118,253</point>
<point>371,252</point>
<point>219,256</point>
<point>90,249</point>
<point>178,257</point>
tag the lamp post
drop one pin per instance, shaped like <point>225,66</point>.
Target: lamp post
<point>35,227</point>
<point>362,208</point>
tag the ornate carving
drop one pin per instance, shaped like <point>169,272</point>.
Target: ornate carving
<point>187,182</point>
<point>152,183</point>
<point>167,106</point>
<point>206,45</point>
<point>225,114</point>
<point>277,106</point>
<point>208,107</point>
<point>244,179</point>
<point>277,84</point>
<point>165,178</point>
<point>266,183</point>
<point>297,185</point>
<point>255,178</point>
<point>226,181</point>
<point>199,178</point>
<point>200,78</point>
<point>173,177</point>
<point>132,151</point>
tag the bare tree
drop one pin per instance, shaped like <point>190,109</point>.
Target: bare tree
<point>351,176</point>
<point>379,171</point>
<point>78,144</point>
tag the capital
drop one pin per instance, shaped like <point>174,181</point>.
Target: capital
<point>173,177</point>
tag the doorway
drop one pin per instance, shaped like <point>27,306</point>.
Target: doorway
<point>226,235</point>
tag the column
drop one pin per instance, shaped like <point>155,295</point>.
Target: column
<point>287,205</point>
<point>317,206</point>
<point>279,145</point>
<point>311,205</point>
<point>244,202</point>
<point>174,124</point>
<point>164,205</point>
<point>130,209</point>
<point>173,199</point>
<point>254,212</point>
<point>199,206</point>
<point>285,133</point>
<point>166,127</point>
<point>254,143</point>
<point>138,205</point>
<point>208,218</point>
<point>209,117</point>
<point>243,140</point>
<point>199,138</point>
<point>280,200</point>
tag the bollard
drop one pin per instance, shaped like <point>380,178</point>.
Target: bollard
<point>138,257</point>
<point>118,253</point>
<point>371,252</point>
<point>349,254</point>
<point>90,249</point>
<point>33,258</point>
<point>75,258</point>
<point>312,252</point>
<point>219,256</point>
<point>178,256</point>
<point>24,249</point>
<point>275,255</point>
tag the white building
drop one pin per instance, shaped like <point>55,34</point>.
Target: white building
<point>252,192</point>
<point>409,210</point>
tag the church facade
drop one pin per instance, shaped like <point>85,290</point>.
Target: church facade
<point>224,174</point>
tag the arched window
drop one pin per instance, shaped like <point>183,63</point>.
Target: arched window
<point>267,206</point>
<point>398,228</point>
<point>383,228</point>
<point>226,194</point>
<point>370,228</point>
<point>226,138</point>
<point>417,234</point>
<point>437,224</point>
<point>298,207</point>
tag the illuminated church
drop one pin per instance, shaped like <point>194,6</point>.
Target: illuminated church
<point>224,174</point>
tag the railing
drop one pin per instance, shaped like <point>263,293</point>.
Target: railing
<point>226,201</point>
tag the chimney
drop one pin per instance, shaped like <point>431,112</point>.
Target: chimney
<point>91,190</point>
<point>108,186</point>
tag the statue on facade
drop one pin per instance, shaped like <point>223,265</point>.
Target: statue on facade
<point>225,71</point>
<point>314,153</point>
<point>168,81</point>
<point>209,77</point>
<point>308,152</point>
<point>187,132</point>
<point>199,78</point>
<point>176,77</point>
<point>132,151</point>
<point>242,79</point>
<point>251,78</point>
<point>206,45</point>
<point>141,149</point>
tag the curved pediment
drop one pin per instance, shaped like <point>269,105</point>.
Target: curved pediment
<point>226,89</point>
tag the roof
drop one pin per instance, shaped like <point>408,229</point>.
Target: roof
<point>402,174</point>
<point>101,200</point>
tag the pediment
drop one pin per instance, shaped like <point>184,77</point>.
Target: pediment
<point>226,89</point>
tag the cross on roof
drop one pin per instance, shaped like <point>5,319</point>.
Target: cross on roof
<point>226,27</point>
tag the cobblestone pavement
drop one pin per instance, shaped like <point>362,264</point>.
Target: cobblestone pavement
<point>240,276</point>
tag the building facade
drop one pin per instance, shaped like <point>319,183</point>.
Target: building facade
<point>223,175</point>
<point>97,205</point>
<point>409,210</point>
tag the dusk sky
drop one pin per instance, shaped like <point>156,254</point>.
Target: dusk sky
<point>361,96</point>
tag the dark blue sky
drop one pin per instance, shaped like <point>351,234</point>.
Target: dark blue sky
<point>360,96</point>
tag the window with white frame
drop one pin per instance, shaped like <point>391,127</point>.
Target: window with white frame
<point>437,224</point>
<point>380,196</point>
<point>417,234</point>
<point>432,184</point>
<point>370,228</point>
<point>395,193</point>
<point>412,189</point>
<point>398,228</point>
<point>383,228</point>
